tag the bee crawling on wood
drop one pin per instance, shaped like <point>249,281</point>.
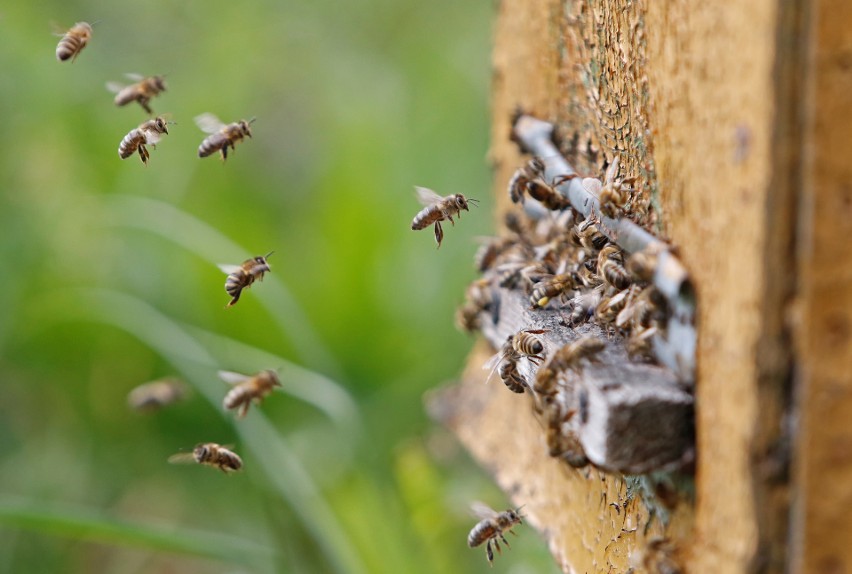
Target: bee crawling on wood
<point>438,209</point>
<point>210,454</point>
<point>73,41</point>
<point>491,527</point>
<point>612,193</point>
<point>532,170</point>
<point>142,90</point>
<point>222,136</point>
<point>248,389</point>
<point>611,269</point>
<point>136,140</point>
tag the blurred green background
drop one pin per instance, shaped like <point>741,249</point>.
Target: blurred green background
<point>110,280</point>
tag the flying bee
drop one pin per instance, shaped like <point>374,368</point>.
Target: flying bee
<point>141,91</point>
<point>437,209</point>
<point>210,454</point>
<point>533,169</point>
<point>148,133</point>
<point>611,269</point>
<point>155,395</point>
<point>242,276</point>
<point>248,389</point>
<point>222,136</point>
<point>491,527</point>
<point>552,287</point>
<point>73,41</point>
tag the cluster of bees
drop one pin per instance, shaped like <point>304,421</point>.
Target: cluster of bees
<point>563,262</point>
<point>220,138</point>
<point>245,389</point>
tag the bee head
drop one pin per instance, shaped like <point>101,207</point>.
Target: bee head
<point>537,165</point>
<point>245,127</point>
<point>160,83</point>
<point>462,202</point>
<point>199,452</point>
<point>161,125</point>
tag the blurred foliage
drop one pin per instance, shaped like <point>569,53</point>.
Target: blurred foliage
<point>111,280</point>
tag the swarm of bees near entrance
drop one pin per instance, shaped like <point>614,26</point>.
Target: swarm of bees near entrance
<point>563,262</point>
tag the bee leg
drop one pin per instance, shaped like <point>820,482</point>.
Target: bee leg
<point>503,538</point>
<point>144,103</point>
<point>562,179</point>
<point>243,410</point>
<point>223,151</point>
<point>489,554</point>
<point>143,153</point>
<point>497,545</point>
<point>234,299</point>
<point>439,233</point>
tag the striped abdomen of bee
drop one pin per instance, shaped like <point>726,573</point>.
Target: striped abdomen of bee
<point>73,42</point>
<point>226,138</point>
<point>527,344</point>
<point>551,287</point>
<point>148,133</point>
<point>211,454</point>
<point>510,376</point>
<point>243,276</point>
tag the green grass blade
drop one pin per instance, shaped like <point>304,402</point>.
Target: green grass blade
<point>84,524</point>
<point>282,467</point>
<point>209,244</point>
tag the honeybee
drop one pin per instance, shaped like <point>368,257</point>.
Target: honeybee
<point>580,306</point>
<point>141,91</point>
<point>437,209</point>
<point>551,287</point>
<point>148,133</point>
<point>547,195</point>
<point>210,454</point>
<point>222,136</point>
<point>491,527</point>
<point>612,193</point>
<point>561,444</point>
<point>609,309</point>
<point>526,344</point>
<point>640,342</point>
<point>73,41</point>
<point>530,171</point>
<point>248,389</point>
<point>242,276</point>
<point>155,395</point>
<point>610,268</point>
<point>587,235</point>
<point>643,264</point>
<point>480,297</point>
<point>570,356</point>
<point>510,376</point>
<point>490,250</point>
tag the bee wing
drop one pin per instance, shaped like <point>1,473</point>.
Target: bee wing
<point>426,196</point>
<point>208,123</point>
<point>228,269</point>
<point>182,458</point>
<point>232,378</point>
<point>481,511</point>
<point>492,364</point>
<point>114,87</point>
<point>592,185</point>
<point>134,77</point>
<point>612,170</point>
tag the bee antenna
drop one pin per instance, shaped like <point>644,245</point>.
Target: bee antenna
<point>473,201</point>
<point>268,254</point>
<point>251,121</point>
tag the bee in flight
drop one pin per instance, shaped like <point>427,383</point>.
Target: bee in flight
<point>242,276</point>
<point>210,454</point>
<point>437,209</point>
<point>222,136</point>
<point>491,527</point>
<point>148,133</point>
<point>248,389</point>
<point>141,91</point>
<point>73,41</point>
<point>155,395</point>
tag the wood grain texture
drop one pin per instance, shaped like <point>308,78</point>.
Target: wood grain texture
<point>702,102</point>
<point>823,472</point>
